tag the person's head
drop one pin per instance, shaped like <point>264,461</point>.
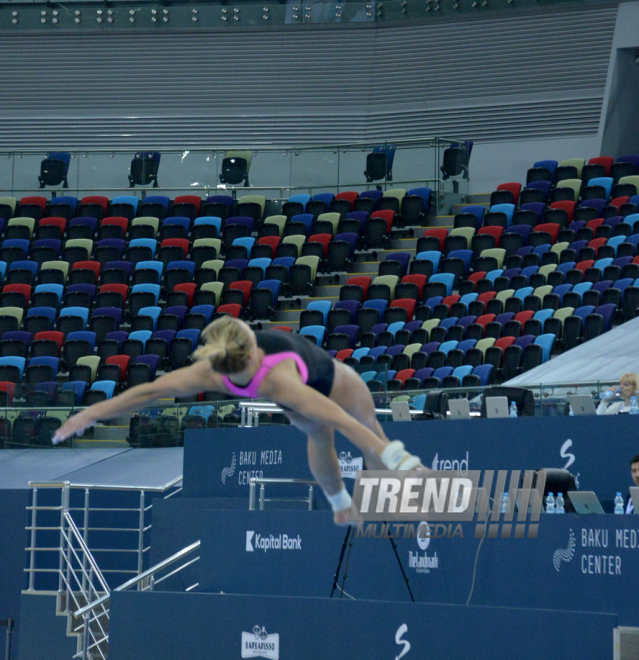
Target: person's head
<point>629,383</point>
<point>634,469</point>
<point>229,345</point>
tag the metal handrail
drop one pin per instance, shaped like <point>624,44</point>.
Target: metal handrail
<point>65,487</point>
<point>262,481</point>
<point>87,553</point>
<point>428,140</point>
<point>62,484</point>
<point>78,571</point>
<point>140,578</point>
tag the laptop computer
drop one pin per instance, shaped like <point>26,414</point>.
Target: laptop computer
<point>400,411</point>
<point>459,408</point>
<point>496,406</point>
<point>582,404</point>
<point>634,495</point>
<point>585,501</point>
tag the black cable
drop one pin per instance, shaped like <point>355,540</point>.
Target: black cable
<point>481,542</point>
<point>339,563</point>
<point>401,567</point>
<point>348,559</point>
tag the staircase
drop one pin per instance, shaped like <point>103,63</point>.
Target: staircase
<point>98,648</point>
<point>366,263</point>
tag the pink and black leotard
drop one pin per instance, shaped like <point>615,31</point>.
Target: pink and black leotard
<point>314,363</point>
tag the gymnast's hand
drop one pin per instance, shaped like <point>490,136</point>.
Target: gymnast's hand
<point>75,425</point>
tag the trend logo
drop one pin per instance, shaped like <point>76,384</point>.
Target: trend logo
<point>404,643</point>
<point>564,555</point>
<point>564,453</point>
<point>229,471</point>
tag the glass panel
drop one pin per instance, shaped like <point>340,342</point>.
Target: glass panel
<point>6,173</point>
<point>26,168</point>
<point>101,174</point>
<point>270,173</point>
<point>181,173</point>
<point>413,167</point>
<point>314,170</point>
<point>352,163</point>
<point>276,173</point>
<point>164,426</point>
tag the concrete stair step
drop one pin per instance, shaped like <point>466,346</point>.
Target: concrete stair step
<point>440,221</point>
<point>478,198</point>
<point>327,286</point>
<point>99,629</point>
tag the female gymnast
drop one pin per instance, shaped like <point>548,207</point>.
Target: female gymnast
<point>319,395</point>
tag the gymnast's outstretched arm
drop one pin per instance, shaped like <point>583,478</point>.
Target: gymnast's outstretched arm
<point>182,382</point>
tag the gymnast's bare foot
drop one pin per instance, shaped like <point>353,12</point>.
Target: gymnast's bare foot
<point>345,517</point>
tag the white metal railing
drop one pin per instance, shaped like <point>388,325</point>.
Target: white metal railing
<point>263,481</point>
<point>83,582</point>
<point>139,547</point>
<point>93,631</point>
<point>79,579</point>
<point>250,412</point>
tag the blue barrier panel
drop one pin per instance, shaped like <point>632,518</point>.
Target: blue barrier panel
<point>576,563</point>
<point>43,634</point>
<point>13,540</point>
<point>219,463</point>
<point>166,626</point>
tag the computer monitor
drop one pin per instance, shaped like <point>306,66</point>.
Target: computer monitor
<point>400,411</point>
<point>585,501</point>
<point>496,406</point>
<point>582,404</point>
<point>459,408</point>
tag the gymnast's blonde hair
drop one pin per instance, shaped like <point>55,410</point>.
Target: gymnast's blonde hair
<point>227,345</point>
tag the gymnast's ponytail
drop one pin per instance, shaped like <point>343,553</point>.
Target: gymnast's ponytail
<point>227,345</point>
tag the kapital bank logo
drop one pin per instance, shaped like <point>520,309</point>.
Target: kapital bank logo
<point>229,471</point>
<point>255,541</point>
<point>259,644</point>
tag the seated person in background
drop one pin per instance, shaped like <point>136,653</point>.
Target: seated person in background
<point>617,399</point>
<point>634,473</point>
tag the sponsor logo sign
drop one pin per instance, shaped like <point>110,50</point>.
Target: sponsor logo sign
<point>564,554</point>
<point>228,472</point>
<point>265,542</point>
<point>350,466</point>
<point>259,644</point>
